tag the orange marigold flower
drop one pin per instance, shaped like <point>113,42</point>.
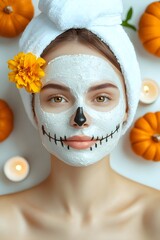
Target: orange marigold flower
<point>26,71</point>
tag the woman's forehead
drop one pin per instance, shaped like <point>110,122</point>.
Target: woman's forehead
<point>74,47</point>
<point>80,69</point>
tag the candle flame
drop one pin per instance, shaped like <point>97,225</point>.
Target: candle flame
<point>146,89</point>
<point>18,167</point>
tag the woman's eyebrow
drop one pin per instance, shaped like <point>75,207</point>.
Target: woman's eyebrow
<point>101,86</point>
<point>55,86</point>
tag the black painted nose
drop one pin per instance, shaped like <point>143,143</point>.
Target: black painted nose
<point>80,119</point>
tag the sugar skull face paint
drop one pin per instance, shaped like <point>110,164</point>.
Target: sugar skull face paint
<point>80,109</point>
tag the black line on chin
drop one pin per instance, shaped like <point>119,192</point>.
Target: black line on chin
<point>61,140</point>
<point>43,131</point>
<point>50,138</point>
<point>55,139</point>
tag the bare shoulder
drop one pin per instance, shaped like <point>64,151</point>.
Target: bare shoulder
<point>152,214</point>
<point>12,211</point>
<point>148,196</point>
<point>149,206</point>
<point>6,205</point>
<point>7,215</point>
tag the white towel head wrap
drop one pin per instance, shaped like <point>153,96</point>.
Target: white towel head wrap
<point>101,17</point>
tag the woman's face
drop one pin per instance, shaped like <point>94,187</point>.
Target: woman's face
<point>81,107</point>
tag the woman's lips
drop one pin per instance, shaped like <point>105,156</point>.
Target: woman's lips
<point>79,142</point>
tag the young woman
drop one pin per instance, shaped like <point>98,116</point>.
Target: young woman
<point>86,102</point>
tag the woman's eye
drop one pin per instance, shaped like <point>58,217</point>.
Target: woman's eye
<point>58,99</point>
<point>102,99</point>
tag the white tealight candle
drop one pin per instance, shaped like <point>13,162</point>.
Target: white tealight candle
<point>16,169</point>
<point>149,91</point>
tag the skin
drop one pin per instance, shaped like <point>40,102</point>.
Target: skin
<point>91,202</point>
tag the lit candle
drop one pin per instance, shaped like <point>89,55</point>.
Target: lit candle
<point>16,169</point>
<point>149,91</point>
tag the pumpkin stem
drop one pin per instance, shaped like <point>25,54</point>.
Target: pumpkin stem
<point>8,9</point>
<point>156,138</point>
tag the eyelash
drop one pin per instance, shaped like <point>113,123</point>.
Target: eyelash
<point>103,96</point>
<point>57,96</point>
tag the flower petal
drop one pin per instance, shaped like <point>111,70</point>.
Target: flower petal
<point>26,71</point>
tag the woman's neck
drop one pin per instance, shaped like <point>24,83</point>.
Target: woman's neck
<point>82,190</point>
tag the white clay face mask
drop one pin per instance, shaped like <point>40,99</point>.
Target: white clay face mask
<point>86,141</point>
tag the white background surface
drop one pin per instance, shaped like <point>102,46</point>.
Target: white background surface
<point>24,139</point>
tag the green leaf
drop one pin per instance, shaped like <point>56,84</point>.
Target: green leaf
<point>129,14</point>
<point>128,17</point>
<point>125,24</point>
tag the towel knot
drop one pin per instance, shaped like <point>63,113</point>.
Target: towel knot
<point>66,14</point>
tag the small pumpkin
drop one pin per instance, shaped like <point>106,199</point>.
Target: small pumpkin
<point>149,28</point>
<point>145,136</point>
<point>6,120</point>
<point>14,16</point>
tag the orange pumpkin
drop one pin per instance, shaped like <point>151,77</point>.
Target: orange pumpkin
<point>149,28</point>
<point>14,16</point>
<point>145,136</point>
<point>6,120</point>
